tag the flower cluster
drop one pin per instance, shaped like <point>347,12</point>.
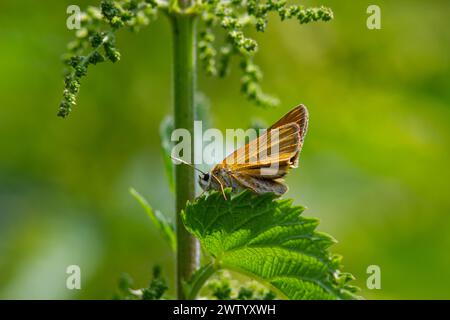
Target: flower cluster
<point>233,16</point>
<point>156,289</point>
<point>95,40</point>
<point>223,287</point>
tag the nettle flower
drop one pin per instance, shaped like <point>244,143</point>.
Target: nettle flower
<point>221,37</point>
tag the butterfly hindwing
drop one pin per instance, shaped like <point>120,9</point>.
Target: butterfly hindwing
<point>260,185</point>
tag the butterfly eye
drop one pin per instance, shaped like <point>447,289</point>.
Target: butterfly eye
<point>206,177</point>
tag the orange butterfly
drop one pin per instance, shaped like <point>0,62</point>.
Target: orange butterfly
<point>261,164</point>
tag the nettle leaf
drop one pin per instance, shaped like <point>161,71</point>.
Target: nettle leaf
<point>269,240</point>
<point>159,220</point>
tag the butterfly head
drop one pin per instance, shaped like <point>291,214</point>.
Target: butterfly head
<point>204,180</point>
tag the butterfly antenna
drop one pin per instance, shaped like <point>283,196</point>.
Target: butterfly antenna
<point>187,163</point>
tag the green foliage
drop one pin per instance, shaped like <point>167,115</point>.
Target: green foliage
<point>224,288</point>
<point>155,290</point>
<point>96,41</point>
<point>159,220</point>
<point>269,240</point>
<point>157,286</point>
<point>233,17</point>
<point>165,130</point>
<point>209,282</point>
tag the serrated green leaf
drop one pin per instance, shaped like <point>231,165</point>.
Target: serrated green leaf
<point>160,221</point>
<point>268,239</point>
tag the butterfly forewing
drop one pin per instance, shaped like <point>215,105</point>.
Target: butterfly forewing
<point>300,116</point>
<point>281,143</point>
<point>274,148</point>
<point>260,164</point>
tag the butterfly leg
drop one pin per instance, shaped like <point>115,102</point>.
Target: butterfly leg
<point>221,186</point>
<point>201,193</point>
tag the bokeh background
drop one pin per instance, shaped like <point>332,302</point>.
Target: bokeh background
<point>374,168</point>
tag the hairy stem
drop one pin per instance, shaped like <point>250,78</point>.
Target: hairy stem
<point>184,76</point>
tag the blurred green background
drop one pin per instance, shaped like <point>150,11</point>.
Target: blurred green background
<point>374,168</point>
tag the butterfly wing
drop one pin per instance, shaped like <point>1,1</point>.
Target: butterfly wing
<point>300,116</point>
<point>260,185</point>
<point>275,151</point>
<point>297,115</point>
<point>261,164</point>
<point>269,155</point>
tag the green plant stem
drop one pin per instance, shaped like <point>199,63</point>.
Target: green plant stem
<point>184,76</point>
<point>201,277</point>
